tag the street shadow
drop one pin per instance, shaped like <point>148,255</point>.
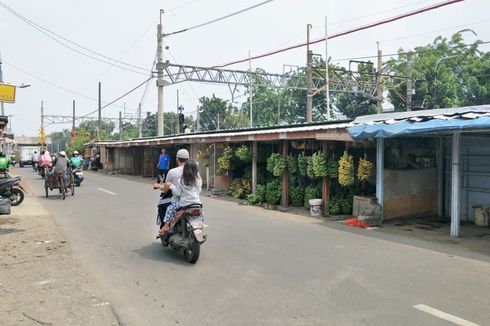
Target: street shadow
<point>10,231</point>
<point>155,251</point>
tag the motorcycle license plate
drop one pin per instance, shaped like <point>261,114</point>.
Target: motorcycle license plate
<point>196,224</point>
<point>79,174</point>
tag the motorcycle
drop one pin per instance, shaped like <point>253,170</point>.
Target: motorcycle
<point>34,166</point>
<point>10,188</point>
<point>186,233</point>
<point>78,176</point>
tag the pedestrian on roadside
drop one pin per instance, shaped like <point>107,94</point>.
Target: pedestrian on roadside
<point>162,166</point>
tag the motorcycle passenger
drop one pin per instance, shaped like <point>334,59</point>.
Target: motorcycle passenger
<point>45,160</point>
<point>173,176</point>
<point>187,191</point>
<point>76,161</point>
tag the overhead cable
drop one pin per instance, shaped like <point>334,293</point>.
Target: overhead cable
<point>350,31</point>
<point>120,97</point>
<point>218,19</point>
<point>49,33</point>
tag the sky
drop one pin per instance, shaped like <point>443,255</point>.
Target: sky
<point>126,31</point>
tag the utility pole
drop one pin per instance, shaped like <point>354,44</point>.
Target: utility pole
<point>379,95</point>
<point>140,122</point>
<point>327,88</point>
<point>120,125</point>
<point>309,73</point>
<point>409,82</point>
<point>159,66</point>
<point>198,120</point>
<point>278,107</point>
<point>41,131</point>
<point>250,91</point>
<point>1,81</point>
<point>100,112</point>
<point>177,124</point>
<point>73,123</point>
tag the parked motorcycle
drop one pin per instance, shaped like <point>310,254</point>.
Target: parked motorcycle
<point>78,176</point>
<point>10,188</point>
<point>186,233</point>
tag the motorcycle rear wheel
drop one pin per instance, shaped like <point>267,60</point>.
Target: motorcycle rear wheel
<point>192,254</point>
<point>17,197</point>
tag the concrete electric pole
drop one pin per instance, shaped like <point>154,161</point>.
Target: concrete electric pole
<point>99,126</point>
<point>160,66</point>
<point>2,112</point>
<point>309,73</point>
<point>379,92</point>
<point>409,82</point>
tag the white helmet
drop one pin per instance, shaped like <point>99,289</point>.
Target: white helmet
<point>75,153</point>
<point>62,153</point>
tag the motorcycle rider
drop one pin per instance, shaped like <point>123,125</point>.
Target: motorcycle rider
<point>45,159</point>
<point>173,177</point>
<point>4,161</point>
<point>75,161</point>
<point>60,164</point>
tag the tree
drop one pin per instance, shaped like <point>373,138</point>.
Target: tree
<point>92,126</point>
<point>446,73</point>
<point>170,121</point>
<point>215,112</point>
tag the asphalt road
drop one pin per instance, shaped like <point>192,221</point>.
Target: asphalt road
<point>259,267</point>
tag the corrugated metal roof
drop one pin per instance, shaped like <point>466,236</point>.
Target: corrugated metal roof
<point>237,133</point>
<point>420,122</point>
<point>466,111</point>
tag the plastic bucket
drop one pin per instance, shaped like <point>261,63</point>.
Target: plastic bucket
<point>315,207</point>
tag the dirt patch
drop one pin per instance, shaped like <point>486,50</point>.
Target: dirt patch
<point>41,282</point>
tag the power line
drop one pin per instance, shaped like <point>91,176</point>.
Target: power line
<point>50,34</point>
<point>409,52</point>
<point>350,31</point>
<point>51,83</point>
<point>218,19</point>
<point>120,97</point>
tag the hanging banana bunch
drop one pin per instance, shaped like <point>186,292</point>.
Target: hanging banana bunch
<point>346,170</point>
<point>365,169</point>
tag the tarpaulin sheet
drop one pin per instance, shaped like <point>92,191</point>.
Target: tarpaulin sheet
<point>406,127</point>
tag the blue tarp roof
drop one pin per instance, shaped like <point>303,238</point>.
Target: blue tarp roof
<point>387,127</point>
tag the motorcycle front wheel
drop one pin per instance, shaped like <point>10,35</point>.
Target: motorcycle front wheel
<point>17,197</point>
<point>192,254</point>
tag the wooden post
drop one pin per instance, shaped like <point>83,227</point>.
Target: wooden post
<point>254,166</point>
<point>325,184</point>
<point>285,176</point>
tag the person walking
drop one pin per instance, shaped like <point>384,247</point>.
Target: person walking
<point>163,165</point>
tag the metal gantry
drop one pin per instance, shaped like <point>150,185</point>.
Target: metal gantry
<point>340,80</point>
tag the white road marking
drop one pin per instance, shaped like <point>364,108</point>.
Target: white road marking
<point>107,191</point>
<point>443,315</point>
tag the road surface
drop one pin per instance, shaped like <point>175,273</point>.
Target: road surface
<point>259,267</point>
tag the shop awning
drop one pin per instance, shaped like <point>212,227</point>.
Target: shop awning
<point>420,122</point>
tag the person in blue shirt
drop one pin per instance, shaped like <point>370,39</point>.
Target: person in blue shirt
<point>163,165</point>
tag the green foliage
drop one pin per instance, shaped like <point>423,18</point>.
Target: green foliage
<point>446,73</point>
<point>292,164</point>
<point>78,142</point>
<point>311,192</point>
<point>215,112</point>
<point>224,161</point>
<point>296,196</point>
<point>319,164</point>
<point>243,153</point>
<point>273,192</point>
<point>340,206</point>
<point>240,188</point>
<point>302,164</point>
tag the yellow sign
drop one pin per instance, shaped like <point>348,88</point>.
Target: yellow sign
<point>42,136</point>
<point>7,93</point>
